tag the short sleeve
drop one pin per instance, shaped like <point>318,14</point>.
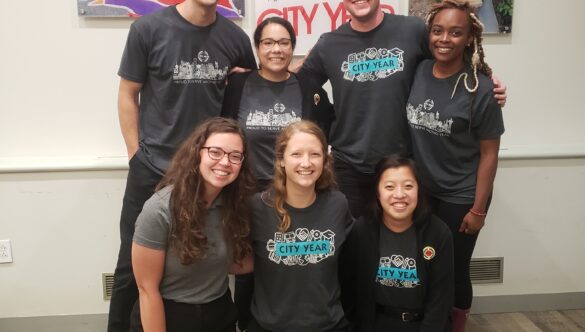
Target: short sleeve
<point>152,225</point>
<point>313,66</point>
<point>134,66</point>
<point>247,59</point>
<point>487,118</point>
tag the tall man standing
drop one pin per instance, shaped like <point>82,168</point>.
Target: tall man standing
<point>370,62</point>
<point>172,77</point>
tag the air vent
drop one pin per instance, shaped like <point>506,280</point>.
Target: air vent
<point>488,270</point>
<point>107,285</point>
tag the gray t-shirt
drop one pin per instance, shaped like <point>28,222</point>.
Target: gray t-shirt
<point>183,69</point>
<point>296,285</point>
<point>446,131</point>
<point>267,107</point>
<point>204,280</point>
<point>397,281</point>
<point>371,74</point>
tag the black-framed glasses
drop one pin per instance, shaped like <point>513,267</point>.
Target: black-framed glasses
<point>215,153</point>
<point>268,43</point>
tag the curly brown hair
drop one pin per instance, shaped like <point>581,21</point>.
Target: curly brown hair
<point>325,182</point>
<point>188,208</point>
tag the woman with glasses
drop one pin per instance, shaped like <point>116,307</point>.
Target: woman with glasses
<point>192,232</point>
<point>265,101</point>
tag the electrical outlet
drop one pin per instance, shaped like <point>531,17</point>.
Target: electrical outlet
<point>5,251</point>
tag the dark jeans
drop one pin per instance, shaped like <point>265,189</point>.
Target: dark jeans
<point>463,246</point>
<point>358,187</point>
<point>140,186</point>
<point>216,316</point>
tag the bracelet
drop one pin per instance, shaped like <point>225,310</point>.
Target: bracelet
<point>479,214</point>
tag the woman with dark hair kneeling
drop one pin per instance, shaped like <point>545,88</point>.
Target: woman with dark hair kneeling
<point>192,232</point>
<point>398,261</point>
<point>298,228</point>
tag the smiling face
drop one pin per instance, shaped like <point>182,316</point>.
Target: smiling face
<point>302,161</point>
<point>398,197</point>
<point>450,32</point>
<point>275,50</point>
<point>217,174</point>
<point>362,10</point>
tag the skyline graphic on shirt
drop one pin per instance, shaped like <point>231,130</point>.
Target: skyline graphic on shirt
<point>199,70</point>
<point>274,119</point>
<point>372,64</point>
<point>422,117</point>
<point>397,271</point>
<point>301,247</point>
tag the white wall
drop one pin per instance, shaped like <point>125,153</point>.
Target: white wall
<point>58,88</point>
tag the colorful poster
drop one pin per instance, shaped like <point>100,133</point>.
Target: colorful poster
<point>496,15</point>
<point>311,18</point>
<point>135,8</point>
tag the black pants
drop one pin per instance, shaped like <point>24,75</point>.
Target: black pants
<point>140,186</point>
<point>359,188</point>
<point>342,326</point>
<point>216,316</point>
<point>385,323</point>
<point>244,283</point>
<point>463,246</point>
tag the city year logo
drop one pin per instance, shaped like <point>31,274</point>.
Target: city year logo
<point>372,64</point>
<point>301,247</point>
<point>397,271</point>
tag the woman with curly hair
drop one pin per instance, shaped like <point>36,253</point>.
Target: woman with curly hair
<point>298,227</point>
<point>192,232</point>
<point>455,125</point>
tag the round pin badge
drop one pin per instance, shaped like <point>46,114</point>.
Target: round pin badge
<point>428,253</point>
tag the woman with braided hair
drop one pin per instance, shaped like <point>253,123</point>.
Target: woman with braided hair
<point>455,125</point>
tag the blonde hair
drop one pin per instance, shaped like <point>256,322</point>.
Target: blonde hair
<point>325,182</point>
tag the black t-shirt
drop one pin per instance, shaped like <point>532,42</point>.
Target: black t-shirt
<point>370,74</point>
<point>182,68</point>
<point>296,285</point>
<point>397,281</point>
<point>446,131</point>
<point>265,108</point>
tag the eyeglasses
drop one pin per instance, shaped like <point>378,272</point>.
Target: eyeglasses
<point>215,153</point>
<point>268,43</point>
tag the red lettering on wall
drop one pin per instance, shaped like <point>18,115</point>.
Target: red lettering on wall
<point>268,12</point>
<point>309,18</point>
<point>334,15</point>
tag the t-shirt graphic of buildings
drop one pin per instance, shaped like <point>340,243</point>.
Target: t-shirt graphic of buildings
<point>275,118</point>
<point>421,117</point>
<point>200,70</point>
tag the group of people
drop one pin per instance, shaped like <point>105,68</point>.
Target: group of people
<point>342,231</point>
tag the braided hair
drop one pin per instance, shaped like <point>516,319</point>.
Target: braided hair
<point>473,55</point>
